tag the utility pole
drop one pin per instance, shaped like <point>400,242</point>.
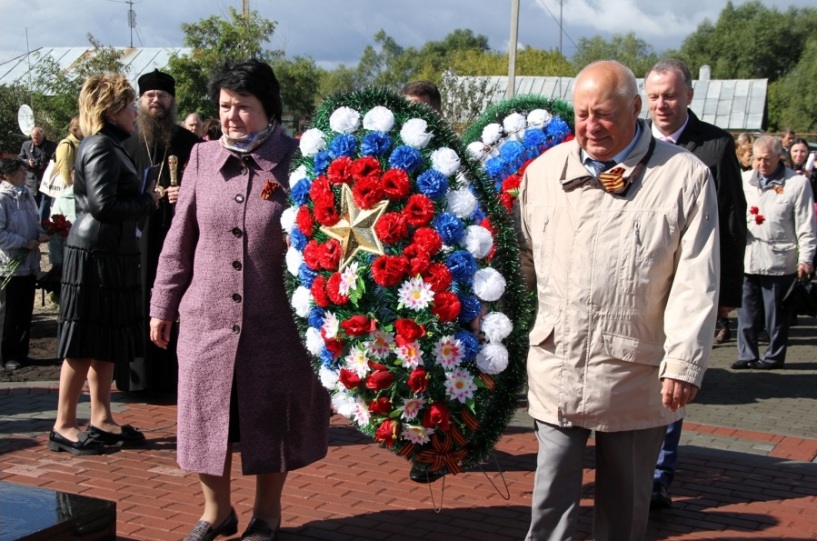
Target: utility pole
<point>245,11</point>
<point>512,49</point>
<point>131,20</point>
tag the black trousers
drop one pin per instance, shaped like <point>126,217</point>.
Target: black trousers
<point>17,307</point>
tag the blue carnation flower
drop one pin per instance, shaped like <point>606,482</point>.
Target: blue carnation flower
<point>328,360</point>
<point>343,145</point>
<point>470,344</point>
<point>405,157</point>
<point>375,143</point>
<point>450,228</point>
<point>306,275</point>
<point>511,150</point>
<point>494,167</point>
<point>322,161</point>
<point>534,138</point>
<point>478,216</point>
<point>300,192</point>
<point>470,308</point>
<point>316,317</point>
<point>432,183</point>
<point>462,265</point>
<point>297,239</point>
<point>558,129</point>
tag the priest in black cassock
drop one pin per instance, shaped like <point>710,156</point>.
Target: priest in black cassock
<point>153,145</point>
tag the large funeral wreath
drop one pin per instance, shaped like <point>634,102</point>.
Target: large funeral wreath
<point>398,242</point>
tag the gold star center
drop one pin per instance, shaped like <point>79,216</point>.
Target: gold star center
<point>355,229</point>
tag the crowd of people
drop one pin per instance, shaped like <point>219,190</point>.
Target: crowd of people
<point>171,279</point>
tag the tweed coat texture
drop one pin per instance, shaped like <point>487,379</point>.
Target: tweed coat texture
<point>221,273</point>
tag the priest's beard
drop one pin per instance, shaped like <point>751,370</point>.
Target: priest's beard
<point>157,127</point>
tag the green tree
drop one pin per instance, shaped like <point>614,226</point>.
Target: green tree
<point>793,97</point>
<point>750,41</point>
<point>633,52</point>
<point>214,41</point>
<point>529,61</point>
<point>300,80</point>
<point>340,79</point>
<point>11,98</point>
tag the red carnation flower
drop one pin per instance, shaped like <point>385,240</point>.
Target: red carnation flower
<point>446,306</point>
<point>486,223</point>
<point>358,325</point>
<point>365,167</point>
<point>418,381</point>
<point>340,171</point>
<point>511,182</point>
<point>334,346</point>
<point>379,380</point>
<point>391,228</point>
<point>326,214</point>
<point>349,379</point>
<point>419,210</point>
<point>438,276</point>
<point>367,192</point>
<point>318,291</point>
<point>389,270</point>
<point>333,290</point>
<point>381,406</point>
<point>753,210</point>
<point>329,255</point>
<point>321,193</point>
<point>387,433</point>
<point>506,200</point>
<point>428,239</point>
<point>408,331</point>
<point>759,219</point>
<point>419,258</point>
<point>305,222</point>
<point>312,255</point>
<point>396,184</point>
<point>437,414</point>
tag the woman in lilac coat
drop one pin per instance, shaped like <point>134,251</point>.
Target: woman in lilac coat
<point>242,368</point>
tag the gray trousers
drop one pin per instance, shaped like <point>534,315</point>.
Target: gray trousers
<point>625,462</point>
<point>762,306</point>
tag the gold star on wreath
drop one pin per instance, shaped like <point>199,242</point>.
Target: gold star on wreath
<point>355,229</point>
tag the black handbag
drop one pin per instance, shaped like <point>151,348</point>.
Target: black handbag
<point>801,298</point>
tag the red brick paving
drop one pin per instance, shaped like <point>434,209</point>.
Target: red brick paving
<point>361,492</point>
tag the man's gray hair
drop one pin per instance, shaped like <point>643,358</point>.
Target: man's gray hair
<point>768,142</point>
<point>672,64</point>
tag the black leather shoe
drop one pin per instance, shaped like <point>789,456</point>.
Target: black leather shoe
<point>87,444</point>
<point>204,531</point>
<point>259,530</point>
<point>420,475</point>
<point>660,498</point>
<point>742,365</point>
<point>130,437</point>
<point>765,365</point>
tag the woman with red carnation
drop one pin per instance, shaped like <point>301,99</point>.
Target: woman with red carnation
<point>243,373</point>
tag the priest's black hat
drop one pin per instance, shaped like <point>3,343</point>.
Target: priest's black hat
<point>157,80</point>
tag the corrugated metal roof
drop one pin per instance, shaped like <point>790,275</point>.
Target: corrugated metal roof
<point>732,104</point>
<point>137,61</point>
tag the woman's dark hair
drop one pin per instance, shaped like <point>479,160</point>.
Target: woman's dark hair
<point>250,77</point>
<point>9,166</point>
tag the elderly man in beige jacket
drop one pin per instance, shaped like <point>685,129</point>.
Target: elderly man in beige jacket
<point>620,236</point>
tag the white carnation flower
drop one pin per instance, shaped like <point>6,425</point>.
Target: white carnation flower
<point>379,118</point>
<point>344,120</point>
<point>489,285</point>
<point>478,241</point>
<point>461,203</point>
<point>477,150</point>
<point>288,219</point>
<point>344,403</point>
<point>294,258</point>
<point>302,301</point>
<point>414,133</point>
<point>445,160</point>
<point>496,326</point>
<point>492,358</point>
<point>329,378</point>
<point>299,173</point>
<point>538,118</point>
<point>514,122</point>
<point>312,142</point>
<point>491,134</point>
<point>314,342</point>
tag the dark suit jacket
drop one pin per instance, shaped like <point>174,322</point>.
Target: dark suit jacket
<point>41,155</point>
<point>716,148</point>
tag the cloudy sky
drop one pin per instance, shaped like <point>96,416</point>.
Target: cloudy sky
<point>336,31</point>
